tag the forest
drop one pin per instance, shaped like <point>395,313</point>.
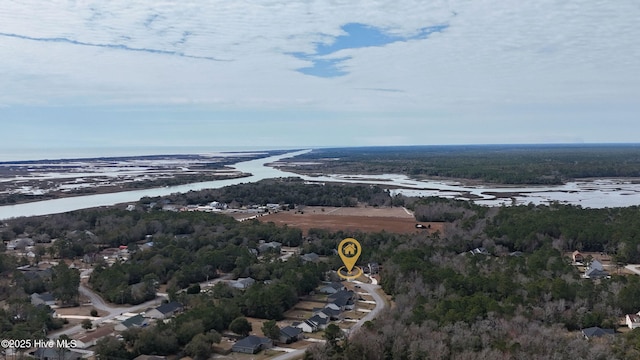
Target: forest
<point>502,164</point>
<point>524,300</point>
<point>290,191</point>
<point>451,304</point>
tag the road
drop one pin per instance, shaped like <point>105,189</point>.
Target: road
<point>633,268</point>
<point>115,311</point>
<point>112,311</point>
<point>380,305</point>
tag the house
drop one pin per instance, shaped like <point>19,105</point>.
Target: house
<point>290,334</point>
<point>343,300</point>
<point>33,273</point>
<point>632,321</point>
<point>577,257</point>
<point>374,268</point>
<point>273,245</point>
<point>252,344</point>
<point>479,251</point>
<point>334,307</point>
<point>311,257</point>
<point>595,270</point>
<point>90,338</point>
<point>594,332</point>
<point>164,311</point>
<point>321,322</point>
<point>328,312</point>
<point>242,283</point>
<point>331,288</point>
<point>134,321</point>
<point>342,304</point>
<point>306,326</point>
<point>43,299</point>
<point>56,354</point>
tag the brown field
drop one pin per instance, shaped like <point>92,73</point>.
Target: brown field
<point>365,219</point>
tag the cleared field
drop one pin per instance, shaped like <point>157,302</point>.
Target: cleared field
<point>365,219</point>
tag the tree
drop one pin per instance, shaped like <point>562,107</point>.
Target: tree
<point>87,324</point>
<point>241,326</point>
<point>271,330</point>
<point>199,347</point>
<point>65,282</point>
<point>333,334</point>
<point>110,348</point>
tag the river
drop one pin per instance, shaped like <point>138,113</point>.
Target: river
<point>598,193</point>
<point>256,167</point>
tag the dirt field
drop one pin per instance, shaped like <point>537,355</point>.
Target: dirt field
<point>395,220</point>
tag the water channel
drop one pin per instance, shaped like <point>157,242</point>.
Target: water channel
<point>597,193</point>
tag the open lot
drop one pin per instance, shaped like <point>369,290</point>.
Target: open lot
<point>366,219</point>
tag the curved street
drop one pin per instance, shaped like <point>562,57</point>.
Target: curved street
<point>380,305</point>
<point>114,311</point>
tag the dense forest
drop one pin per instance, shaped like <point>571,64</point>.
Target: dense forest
<point>504,164</point>
<point>290,191</point>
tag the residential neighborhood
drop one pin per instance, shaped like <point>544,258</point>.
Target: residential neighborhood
<point>337,302</point>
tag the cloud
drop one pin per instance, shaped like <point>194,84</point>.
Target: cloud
<point>112,46</point>
<point>490,67</point>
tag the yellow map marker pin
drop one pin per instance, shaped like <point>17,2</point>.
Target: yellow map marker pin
<point>349,251</point>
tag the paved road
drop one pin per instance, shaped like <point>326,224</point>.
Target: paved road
<point>380,305</point>
<point>115,311</point>
<point>633,268</point>
<point>100,304</point>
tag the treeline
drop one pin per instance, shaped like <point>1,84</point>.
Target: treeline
<point>504,164</point>
<point>615,231</point>
<point>292,191</point>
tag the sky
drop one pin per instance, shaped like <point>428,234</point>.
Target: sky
<point>284,74</point>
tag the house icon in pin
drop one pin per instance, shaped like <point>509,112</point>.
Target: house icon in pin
<point>349,249</point>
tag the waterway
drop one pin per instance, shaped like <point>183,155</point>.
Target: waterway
<point>256,167</point>
<point>598,193</point>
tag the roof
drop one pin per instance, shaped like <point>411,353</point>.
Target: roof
<point>341,301</point>
<point>595,273</point>
<point>319,320</point>
<point>595,264</point>
<point>46,297</point>
<point>330,311</point>
<point>251,342</point>
<point>312,324</point>
<point>137,320</point>
<point>634,317</point>
<point>98,333</point>
<point>346,294</point>
<point>597,332</point>
<point>311,257</point>
<point>169,307</point>
<point>336,285</point>
<point>49,353</point>
<point>290,331</point>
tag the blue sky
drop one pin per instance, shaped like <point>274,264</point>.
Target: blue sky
<point>295,74</point>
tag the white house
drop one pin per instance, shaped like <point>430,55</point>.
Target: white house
<point>632,320</point>
<point>306,326</point>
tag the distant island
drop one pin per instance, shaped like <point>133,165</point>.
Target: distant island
<point>36,180</point>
